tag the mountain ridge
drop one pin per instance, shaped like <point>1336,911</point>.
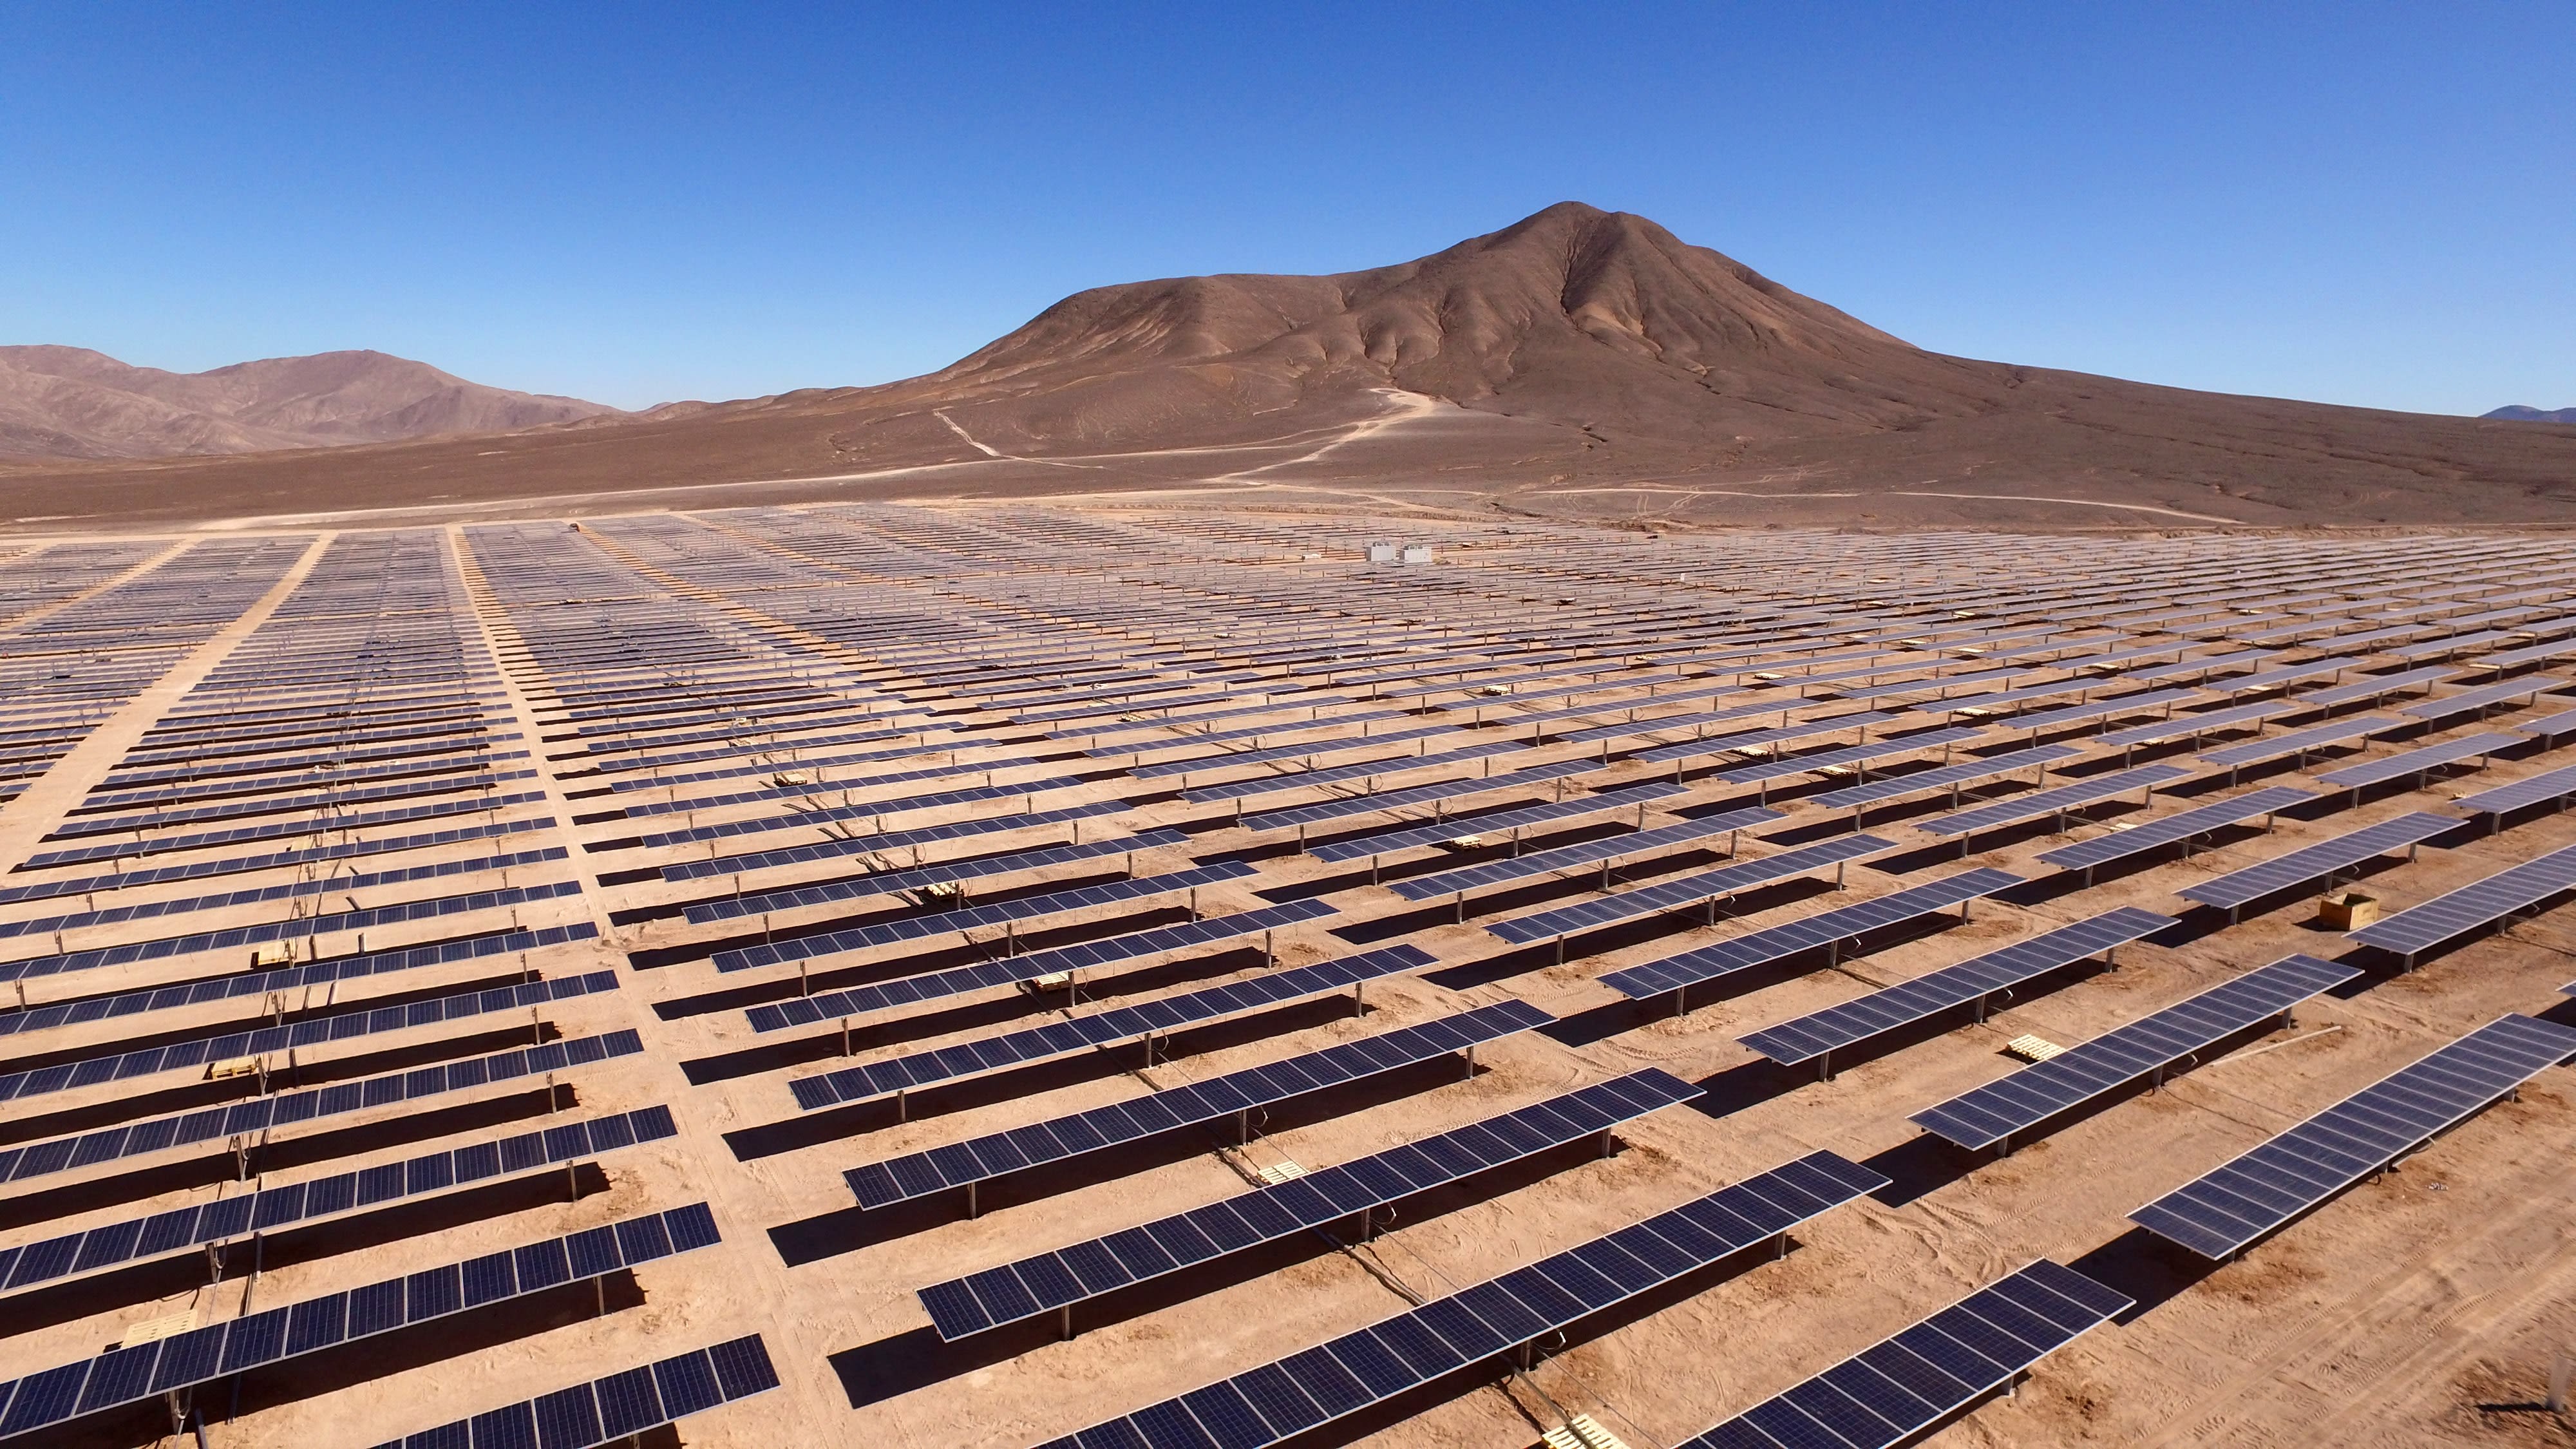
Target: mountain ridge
<point>73,402</point>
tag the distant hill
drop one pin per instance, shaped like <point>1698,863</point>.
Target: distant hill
<point>2521,414</point>
<point>1578,363</point>
<point>70,402</point>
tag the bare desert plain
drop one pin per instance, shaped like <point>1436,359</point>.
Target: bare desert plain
<point>843,901</point>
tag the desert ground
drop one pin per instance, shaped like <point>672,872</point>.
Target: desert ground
<point>289,752</point>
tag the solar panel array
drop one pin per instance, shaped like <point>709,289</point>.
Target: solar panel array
<point>614,1407</point>
<point>1051,1282</point>
<point>1992,1115</point>
<point>1889,1393</point>
<point>437,782</point>
<point>2218,1213</point>
<point>1808,1038</point>
<point>2482,902</point>
<point>1276,1402</point>
<point>162,1366</point>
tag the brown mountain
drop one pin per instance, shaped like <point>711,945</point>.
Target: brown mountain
<point>70,402</point>
<point>1578,363</point>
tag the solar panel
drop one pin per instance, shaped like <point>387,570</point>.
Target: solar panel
<point>2217,1214</point>
<point>1514,820</point>
<point>2056,801</point>
<point>1764,771</point>
<point>2482,698</point>
<point>2196,725</point>
<point>1950,777</point>
<point>259,1114</point>
<point>1891,1393</point>
<point>2420,927</point>
<point>2375,687</point>
<point>1056,1281</point>
<point>2417,762</point>
<point>734,908</point>
<point>1992,1115</point>
<point>2504,799</point>
<point>913,928</point>
<point>871,810</point>
<point>300,928</point>
<point>2101,850</point>
<point>1293,1396</point>
<point>2549,727</point>
<point>1688,891</point>
<point>1365,769</point>
<point>892,840</point>
<point>200,869</point>
<point>268,1208</point>
<point>920,1069</point>
<point>1751,739</point>
<point>1302,816</point>
<point>162,1366</point>
<point>315,1031</point>
<point>2239,888</point>
<point>1814,1037</point>
<point>1200,764</point>
<point>615,1408</point>
<point>260,983</point>
<point>1677,974</point>
<point>982,1159</point>
<point>279,829</point>
<point>2299,742</point>
<point>1590,852</point>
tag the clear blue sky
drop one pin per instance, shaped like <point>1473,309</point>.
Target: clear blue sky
<point>2354,203</point>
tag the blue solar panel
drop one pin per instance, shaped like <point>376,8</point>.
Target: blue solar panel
<point>1052,1281</point>
<point>2217,1214</point>
<point>1590,852</point>
<point>260,983</point>
<point>258,1114</point>
<point>123,1376</point>
<point>1828,928</point>
<point>913,928</point>
<point>1687,891</point>
<point>1809,1038</point>
<point>1520,1307</point>
<point>2102,850</point>
<point>1890,1394</point>
<point>879,1184</point>
<point>892,882</point>
<point>314,1031</point>
<point>1099,1028</point>
<point>1992,1115</point>
<point>2238,888</point>
<point>2418,928</point>
<point>1496,822</point>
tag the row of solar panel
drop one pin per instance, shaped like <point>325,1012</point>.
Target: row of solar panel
<point>913,928</point>
<point>231,938</point>
<point>1087,1270</point>
<point>288,978</point>
<point>892,882</point>
<point>278,829</point>
<point>1892,1392</point>
<point>265,1208</point>
<point>962,1164</point>
<point>877,1079</point>
<point>1295,1395</point>
<point>617,1407</point>
<point>236,865</point>
<point>341,1026</point>
<point>161,1366</point>
<point>19,1164</point>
